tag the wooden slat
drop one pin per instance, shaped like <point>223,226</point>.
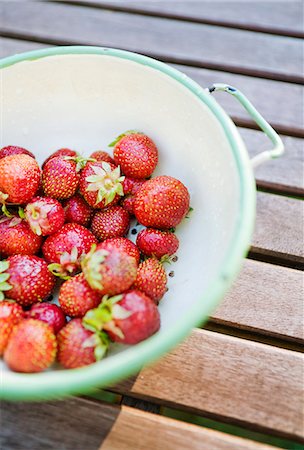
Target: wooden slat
<point>228,378</point>
<point>73,424</point>
<point>285,174</point>
<point>279,229</point>
<point>271,175</point>
<point>265,94</point>
<point>140,430</point>
<point>267,299</point>
<point>80,424</point>
<point>285,18</point>
<point>203,45</point>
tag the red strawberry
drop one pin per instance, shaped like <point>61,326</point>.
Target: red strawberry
<point>19,178</point>
<point>14,150</point>
<point>128,318</point>
<point>101,184</point>
<point>27,279</point>
<point>136,154</point>
<point>60,178</point>
<point>151,279</point>
<point>65,248</point>
<point>152,242</point>
<point>121,243</point>
<point>102,156</point>
<point>161,202</point>
<point>127,203</point>
<point>78,211</point>
<point>130,187</point>
<point>109,272</point>
<point>31,348</point>
<point>78,346</point>
<point>61,152</point>
<point>49,313</point>
<point>45,215</point>
<point>10,315</point>
<point>16,237</point>
<point>76,297</point>
<point>111,222</point>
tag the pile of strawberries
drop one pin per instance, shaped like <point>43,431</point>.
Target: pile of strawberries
<point>68,222</point>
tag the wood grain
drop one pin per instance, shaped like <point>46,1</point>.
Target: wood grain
<point>285,18</point>
<point>78,424</point>
<point>285,174</point>
<point>73,424</point>
<point>230,379</point>
<point>272,175</point>
<point>266,95</point>
<point>209,46</point>
<point>279,229</point>
<point>138,430</point>
<point>267,299</point>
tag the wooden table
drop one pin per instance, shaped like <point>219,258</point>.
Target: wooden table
<point>239,379</point>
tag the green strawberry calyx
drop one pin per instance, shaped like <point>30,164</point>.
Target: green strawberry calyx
<point>69,264</point>
<point>107,183</point>
<point>79,160</point>
<point>103,317</point>
<point>100,341</point>
<point>90,265</point>
<point>126,133</point>
<point>4,276</point>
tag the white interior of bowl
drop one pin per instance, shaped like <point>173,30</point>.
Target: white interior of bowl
<point>84,101</point>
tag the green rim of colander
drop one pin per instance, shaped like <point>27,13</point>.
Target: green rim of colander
<point>55,384</point>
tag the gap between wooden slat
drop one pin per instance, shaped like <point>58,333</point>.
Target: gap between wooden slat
<point>242,332</point>
<point>296,79</point>
<point>280,189</point>
<point>183,18</point>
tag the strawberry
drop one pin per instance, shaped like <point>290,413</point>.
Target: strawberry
<point>65,248</point>
<point>136,154</point>
<point>151,279</point>
<point>31,348</point>
<point>101,184</point>
<point>121,243</point>
<point>45,215</point>
<point>77,211</point>
<point>14,150</point>
<point>27,279</point>
<point>78,346</point>
<point>109,272</point>
<point>127,203</point>
<point>61,152</point>
<point>49,313</point>
<point>99,155</point>
<point>19,178</point>
<point>128,318</point>
<point>111,222</point>
<point>130,187</point>
<point>60,178</point>
<point>161,202</point>
<point>10,315</point>
<point>152,242</point>
<point>76,297</point>
<point>16,237</point>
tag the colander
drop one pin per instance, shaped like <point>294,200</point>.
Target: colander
<point>82,98</point>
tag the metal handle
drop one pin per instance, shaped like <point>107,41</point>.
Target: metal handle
<point>278,147</point>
